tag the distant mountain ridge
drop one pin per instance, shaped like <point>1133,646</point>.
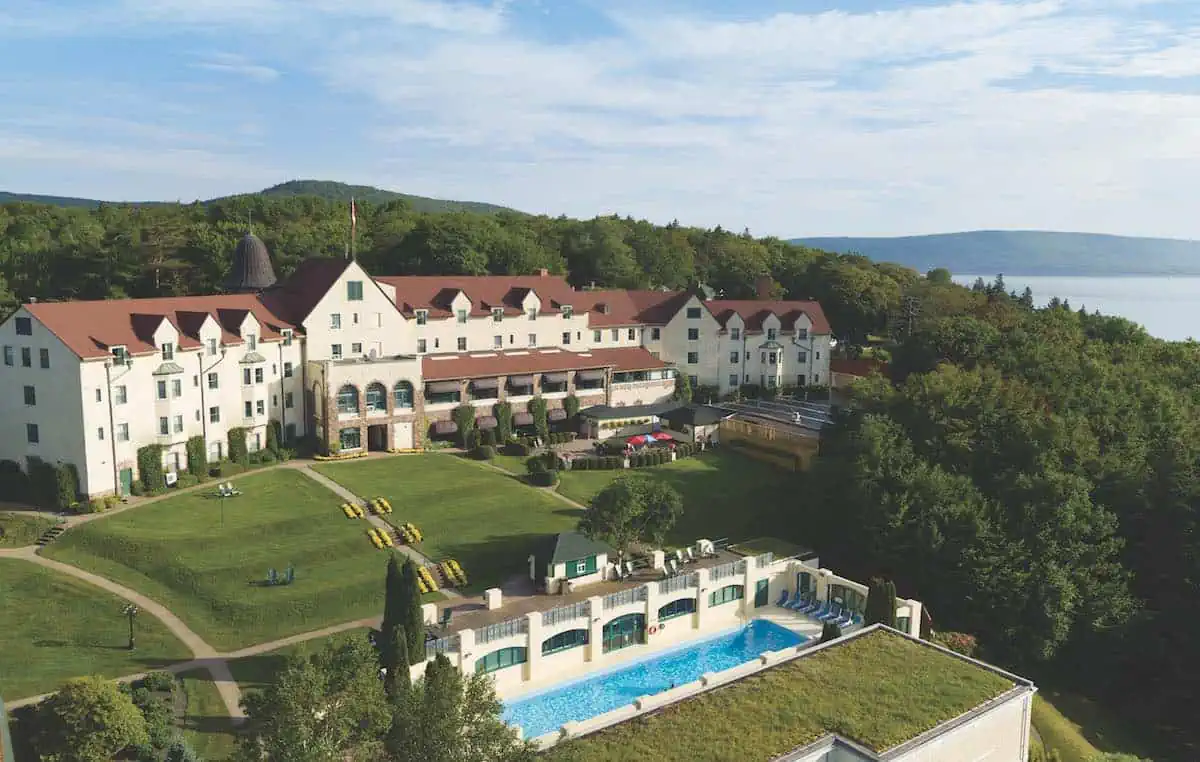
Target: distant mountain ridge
<point>1026,252</point>
<point>325,189</point>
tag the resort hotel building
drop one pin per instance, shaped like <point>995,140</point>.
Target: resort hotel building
<point>364,362</point>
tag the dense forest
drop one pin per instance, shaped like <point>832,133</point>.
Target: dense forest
<point>1031,474</point>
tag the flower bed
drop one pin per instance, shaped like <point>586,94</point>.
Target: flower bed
<point>409,533</point>
<point>425,580</point>
<point>454,572</point>
<point>341,456</point>
<point>380,506</point>
<point>373,533</point>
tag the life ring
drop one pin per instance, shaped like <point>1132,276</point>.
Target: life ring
<point>653,629</point>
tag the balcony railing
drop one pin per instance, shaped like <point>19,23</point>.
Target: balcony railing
<point>504,629</point>
<point>625,597</point>
<point>580,610</point>
<point>448,644</point>
<point>727,570</point>
<point>764,559</point>
<point>678,582</point>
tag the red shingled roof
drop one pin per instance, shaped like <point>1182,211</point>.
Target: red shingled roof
<point>631,307</point>
<point>436,292</point>
<point>754,311</point>
<point>490,364</point>
<point>91,328</point>
<point>862,366</point>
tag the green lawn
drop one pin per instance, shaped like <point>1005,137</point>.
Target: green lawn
<point>20,529</point>
<point>257,672</point>
<point>863,689</point>
<point>57,627</point>
<point>488,521</point>
<point>205,723</point>
<point>178,552</point>
<point>725,494</point>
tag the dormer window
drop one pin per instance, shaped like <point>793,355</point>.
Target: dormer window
<point>354,291</point>
<point>462,316</point>
<point>770,334</point>
<point>287,337</point>
<point>531,313</point>
<point>212,346</point>
<point>168,352</point>
<point>567,311</point>
<point>801,334</point>
<point>251,341</point>
<point>497,314</point>
<point>120,354</point>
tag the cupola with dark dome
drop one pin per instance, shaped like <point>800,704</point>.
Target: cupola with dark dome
<point>251,271</point>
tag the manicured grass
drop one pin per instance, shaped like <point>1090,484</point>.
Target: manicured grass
<point>205,723</point>
<point>759,545</point>
<point>1077,726</point>
<point>879,689</point>
<point>725,494</point>
<point>210,575</point>
<point>57,627</point>
<point>20,529</point>
<point>1060,734</point>
<point>257,672</point>
<point>489,522</point>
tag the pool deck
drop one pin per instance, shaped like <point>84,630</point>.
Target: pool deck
<point>810,629</point>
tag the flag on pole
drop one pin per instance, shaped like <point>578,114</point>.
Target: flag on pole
<point>353,215</point>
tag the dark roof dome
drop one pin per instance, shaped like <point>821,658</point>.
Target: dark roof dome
<point>251,270</point>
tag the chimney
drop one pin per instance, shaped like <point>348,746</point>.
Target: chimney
<point>763,286</point>
<point>543,272</point>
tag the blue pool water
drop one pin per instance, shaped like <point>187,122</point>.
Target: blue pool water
<point>547,711</point>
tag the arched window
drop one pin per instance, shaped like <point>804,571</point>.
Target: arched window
<point>727,594</point>
<point>376,398</point>
<point>624,631</point>
<point>404,395</point>
<point>564,640</point>
<point>680,607</point>
<point>505,657</point>
<point>347,399</point>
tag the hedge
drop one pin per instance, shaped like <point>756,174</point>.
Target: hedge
<point>274,435</point>
<point>237,445</point>
<point>14,482</point>
<point>537,408</point>
<point>571,405</point>
<point>503,414</point>
<point>484,452</point>
<point>544,478</point>
<point>149,461</point>
<point>197,459</point>
<point>464,418</point>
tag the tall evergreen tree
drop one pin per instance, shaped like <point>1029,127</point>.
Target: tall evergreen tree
<point>410,618</point>
<point>395,661</point>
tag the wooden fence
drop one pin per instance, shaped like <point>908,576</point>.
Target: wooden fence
<point>778,446</point>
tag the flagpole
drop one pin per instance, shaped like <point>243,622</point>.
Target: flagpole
<point>353,226</point>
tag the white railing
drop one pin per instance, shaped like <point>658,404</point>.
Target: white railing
<point>580,610</point>
<point>727,570</point>
<point>678,582</point>
<point>507,628</point>
<point>625,597</point>
<point>765,559</point>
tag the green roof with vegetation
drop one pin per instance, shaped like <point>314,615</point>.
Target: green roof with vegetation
<point>879,689</point>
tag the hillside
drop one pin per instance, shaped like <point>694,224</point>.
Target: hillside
<point>1026,252</point>
<point>325,189</point>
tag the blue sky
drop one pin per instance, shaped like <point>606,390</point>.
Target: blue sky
<point>864,117</point>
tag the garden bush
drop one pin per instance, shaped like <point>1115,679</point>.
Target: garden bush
<point>502,411</point>
<point>273,436</point>
<point>544,478</point>
<point>159,681</point>
<point>136,489</point>
<point>484,452</point>
<point>266,457</point>
<point>197,461</point>
<point>149,462</point>
<point>186,480</point>
<point>487,437</point>
<point>471,439</point>
<point>571,405</point>
<point>13,481</point>
<point>217,470</point>
<point>237,444</point>
<point>516,448</point>
<point>66,483</point>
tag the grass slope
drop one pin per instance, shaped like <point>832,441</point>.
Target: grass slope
<point>205,723</point>
<point>57,627</point>
<point>489,522</point>
<point>20,529</point>
<point>326,189</point>
<point>862,689</point>
<point>1026,252</point>
<point>725,494</point>
<point>177,552</point>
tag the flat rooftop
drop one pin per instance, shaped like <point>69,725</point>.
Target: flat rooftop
<point>879,689</point>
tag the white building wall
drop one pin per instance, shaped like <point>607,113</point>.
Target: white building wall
<point>58,411</point>
<point>373,323</point>
<point>676,346</point>
<point>1000,734</point>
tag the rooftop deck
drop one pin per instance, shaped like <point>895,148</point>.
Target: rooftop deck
<point>519,600</point>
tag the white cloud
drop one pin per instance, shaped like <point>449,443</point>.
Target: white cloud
<point>231,63</point>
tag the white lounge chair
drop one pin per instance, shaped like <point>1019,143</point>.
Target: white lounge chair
<point>229,489</point>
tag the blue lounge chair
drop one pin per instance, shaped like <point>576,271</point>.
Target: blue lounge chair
<point>833,613</point>
<point>845,619</point>
<point>796,602</point>
<point>821,612</point>
<point>812,607</point>
<point>783,598</point>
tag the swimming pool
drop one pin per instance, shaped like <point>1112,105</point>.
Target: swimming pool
<point>547,711</point>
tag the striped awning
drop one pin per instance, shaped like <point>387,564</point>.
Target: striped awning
<point>590,375</point>
<point>485,383</point>
<point>555,378</point>
<point>444,427</point>
<point>486,422</point>
<point>557,414</point>
<point>442,387</point>
<point>520,380</point>
<point>522,419</point>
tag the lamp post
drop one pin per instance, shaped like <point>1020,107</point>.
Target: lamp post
<point>130,611</point>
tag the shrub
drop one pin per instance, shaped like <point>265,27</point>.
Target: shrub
<point>149,461</point>
<point>958,642</point>
<point>488,437</point>
<point>197,460</point>
<point>581,464</point>
<point>274,435</point>
<point>237,444</point>
<point>254,458</point>
<point>13,481</point>
<point>66,483</point>
<point>464,418</point>
<point>571,405</point>
<point>484,452</point>
<point>830,632</point>
<point>94,506</point>
<point>159,681</point>
<point>537,408</point>
<point>186,480</point>
<point>217,470</point>
<point>179,751</point>
<point>136,489</point>
<point>285,454</point>
<point>266,457</point>
<point>544,478</point>
<point>516,448</point>
<point>471,439</point>
<point>503,413</point>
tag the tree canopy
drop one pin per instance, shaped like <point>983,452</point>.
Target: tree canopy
<point>632,508</point>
